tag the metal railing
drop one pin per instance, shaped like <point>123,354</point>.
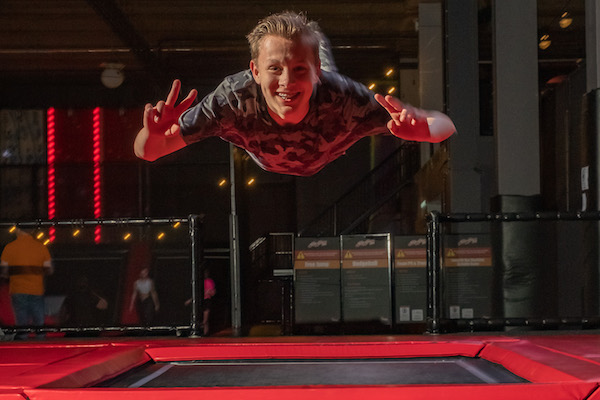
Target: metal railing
<point>351,212</point>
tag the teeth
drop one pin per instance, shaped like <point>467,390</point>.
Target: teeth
<point>285,96</point>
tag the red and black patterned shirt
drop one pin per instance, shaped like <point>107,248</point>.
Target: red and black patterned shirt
<point>341,112</point>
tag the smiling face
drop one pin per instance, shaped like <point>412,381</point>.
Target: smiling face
<point>286,71</point>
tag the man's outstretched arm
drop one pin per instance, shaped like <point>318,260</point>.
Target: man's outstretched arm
<point>411,123</point>
<point>160,134</point>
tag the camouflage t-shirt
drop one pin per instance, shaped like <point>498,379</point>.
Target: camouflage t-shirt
<point>341,113</point>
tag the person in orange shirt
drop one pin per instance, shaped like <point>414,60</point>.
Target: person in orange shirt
<point>25,262</point>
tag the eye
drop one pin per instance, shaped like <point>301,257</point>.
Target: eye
<point>301,69</point>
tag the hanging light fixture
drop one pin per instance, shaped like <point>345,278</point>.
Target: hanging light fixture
<point>112,75</point>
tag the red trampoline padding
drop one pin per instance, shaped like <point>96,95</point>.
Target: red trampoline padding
<point>12,395</point>
<point>595,395</point>
<point>526,391</point>
<point>538,364</point>
<point>40,354</point>
<point>82,370</point>
<point>22,359</point>
<point>225,351</point>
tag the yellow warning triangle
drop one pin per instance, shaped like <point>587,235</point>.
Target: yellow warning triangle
<point>300,256</point>
<point>400,254</point>
<point>450,253</point>
<point>348,255</point>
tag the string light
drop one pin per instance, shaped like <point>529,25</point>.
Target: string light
<point>39,235</point>
<point>371,86</point>
<point>12,229</point>
<point>127,236</point>
<point>389,72</point>
<point>545,42</point>
<point>222,182</point>
<point>76,232</point>
<point>160,236</point>
<point>250,182</point>
<point>391,90</point>
<point>565,20</point>
<point>46,242</point>
<point>176,225</point>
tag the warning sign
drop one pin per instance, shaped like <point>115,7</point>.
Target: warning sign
<point>317,280</point>
<point>366,278</point>
<point>410,271</point>
<point>467,276</point>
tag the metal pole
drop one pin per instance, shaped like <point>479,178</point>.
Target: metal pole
<point>236,319</point>
<point>433,274</point>
<point>197,274</point>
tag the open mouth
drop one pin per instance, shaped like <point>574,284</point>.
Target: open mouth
<point>288,97</point>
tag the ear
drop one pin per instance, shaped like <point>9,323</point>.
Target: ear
<point>254,69</point>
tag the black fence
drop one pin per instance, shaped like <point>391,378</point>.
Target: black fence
<point>545,273</point>
<point>104,251</point>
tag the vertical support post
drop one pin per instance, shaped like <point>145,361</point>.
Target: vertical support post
<point>592,63</point>
<point>433,273</point>
<point>194,226</point>
<point>335,218</point>
<point>515,76</point>
<point>234,252</point>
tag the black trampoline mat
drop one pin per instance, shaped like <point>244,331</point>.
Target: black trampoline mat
<point>244,373</point>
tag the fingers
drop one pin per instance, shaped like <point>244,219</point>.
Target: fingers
<point>404,113</point>
<point>160,106</point>
<point>166,111</point>
<point>173,130</point>
<point>149,114</point>
<point>395,102</point>
<point>174,93</point>
<point>384,103</point>
<point>187,102</point>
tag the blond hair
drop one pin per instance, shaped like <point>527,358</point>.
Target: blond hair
<point>288,25</point>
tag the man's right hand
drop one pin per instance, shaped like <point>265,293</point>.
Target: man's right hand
<point>160,134</point>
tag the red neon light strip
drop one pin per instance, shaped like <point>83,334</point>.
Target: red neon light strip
<point>51,158</point>
<point>97,173</point>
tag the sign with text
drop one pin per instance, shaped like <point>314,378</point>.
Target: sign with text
<point>410,278</point>
<point>317,280</point>
<point>366,278</point>
<point>467,276</point>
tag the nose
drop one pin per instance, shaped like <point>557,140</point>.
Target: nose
<point>287,77</point>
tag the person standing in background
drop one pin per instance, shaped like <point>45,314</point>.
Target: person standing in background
<point>25,262</point>
<point>209,291</point>
<point>144,292</point>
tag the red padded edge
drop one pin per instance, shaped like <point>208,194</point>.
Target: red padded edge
<point>81,370</point>
<point>538,364</point>
<point>21,359</point>
<point>224,351</point>
<point>584,347</point>
<point>12,395</point>
<point>595,395</point>
<point>562,391</point>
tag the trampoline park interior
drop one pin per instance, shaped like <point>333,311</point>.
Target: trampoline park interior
<point>462,270</point>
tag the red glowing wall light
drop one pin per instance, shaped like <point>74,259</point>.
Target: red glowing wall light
<point>51,158</point>
<point>96,130</point>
